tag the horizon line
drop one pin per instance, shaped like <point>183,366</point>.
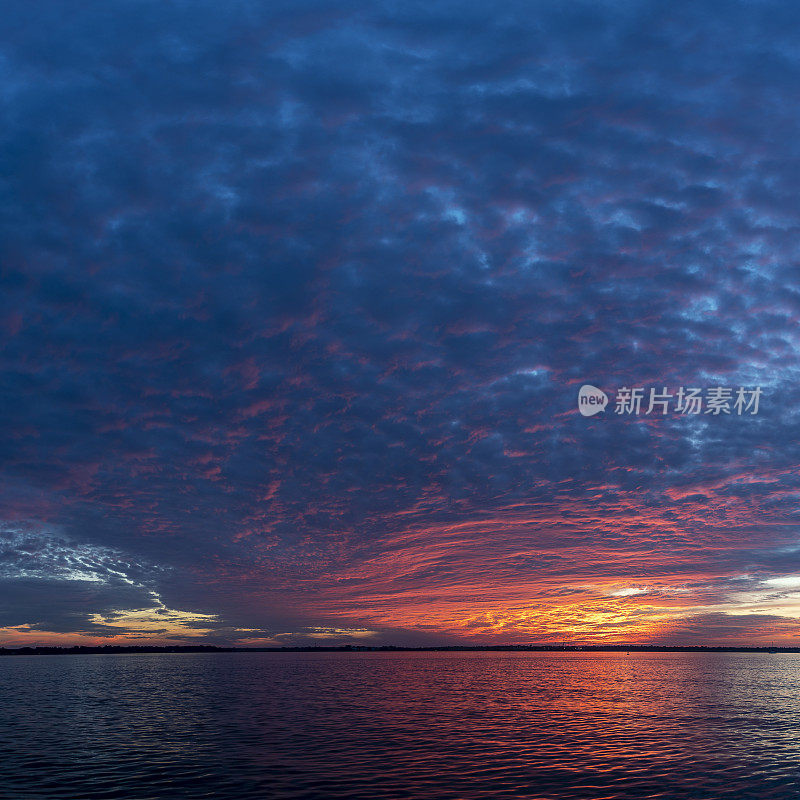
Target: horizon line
<point>210,648</point>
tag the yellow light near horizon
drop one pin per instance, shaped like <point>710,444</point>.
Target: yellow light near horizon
<point>157,620</point>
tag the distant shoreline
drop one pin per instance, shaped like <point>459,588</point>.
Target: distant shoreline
<point>534,648</point>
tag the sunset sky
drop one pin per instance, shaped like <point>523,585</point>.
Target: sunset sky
<point>297,298</point>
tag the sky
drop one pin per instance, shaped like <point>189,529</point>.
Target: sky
<point>296,299</point>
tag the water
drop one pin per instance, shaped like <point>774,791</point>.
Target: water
<point>401,725</point>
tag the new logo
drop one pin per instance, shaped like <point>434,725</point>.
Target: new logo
<point>591,400</point>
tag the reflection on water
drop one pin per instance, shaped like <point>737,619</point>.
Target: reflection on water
<point>401,725</point>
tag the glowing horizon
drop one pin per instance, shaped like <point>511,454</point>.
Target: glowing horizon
<point>296,308</point>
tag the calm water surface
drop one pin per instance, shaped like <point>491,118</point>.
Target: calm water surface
<point>400,725</point>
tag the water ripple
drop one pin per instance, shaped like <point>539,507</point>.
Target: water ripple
<point>434,726</point>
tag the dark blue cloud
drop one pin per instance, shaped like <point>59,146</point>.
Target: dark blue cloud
<point>286,289</point>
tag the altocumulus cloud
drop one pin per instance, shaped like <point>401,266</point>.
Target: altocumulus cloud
<point>295,300</point>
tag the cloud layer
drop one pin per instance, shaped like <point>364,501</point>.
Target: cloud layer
<point>296,302</point>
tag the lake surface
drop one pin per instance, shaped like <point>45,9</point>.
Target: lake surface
<point>401,725</point>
